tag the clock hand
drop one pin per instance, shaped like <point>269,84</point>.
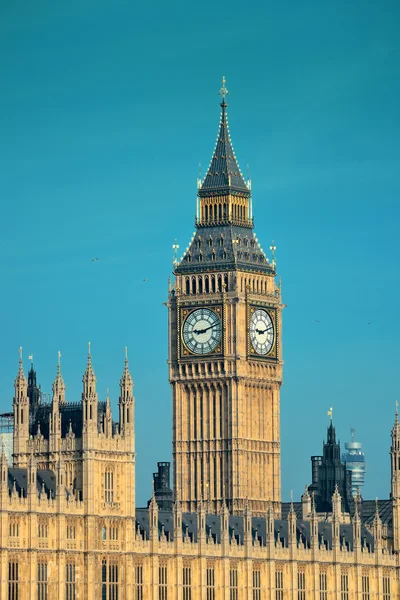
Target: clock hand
<point>262,332</point>
<point>197,331</point>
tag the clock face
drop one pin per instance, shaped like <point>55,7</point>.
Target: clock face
<point>202,331</point>
<point>261,331</point>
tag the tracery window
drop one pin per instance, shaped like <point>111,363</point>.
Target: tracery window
<point>301,585</point>
<point>386,587</point>
<point>71,531</point>
<point>13,590</point>
<point>233,584</point>
<point>70,581</point>
<point>323,589</point>
<point>187,583</point>
<point>43,529</point>
<point>109,580</point>
<point>210,583</point>
<point>162,583</point>
<point>14,528</point>
<point>42,581</point>
<point>109,487</point>
<point>113,533</point>
<point>256,584</point>
<point>139,582</point>
<point>365,588</point>
<point>344,587</point>
<point>279,584</point>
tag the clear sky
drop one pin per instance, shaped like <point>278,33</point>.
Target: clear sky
<point>106,110</point>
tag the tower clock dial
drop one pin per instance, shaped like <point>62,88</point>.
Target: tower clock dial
<point>201,331</point>
<point>261,331</point>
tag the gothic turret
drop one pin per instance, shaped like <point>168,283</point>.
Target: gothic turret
<point>59,385</point>
<point>126,401</point>
<point>57,401</point>
<point>395,483</point>
<point>89,396</point>
<point>33,388</point>
<point>329,473</point>
<point>21,412</point>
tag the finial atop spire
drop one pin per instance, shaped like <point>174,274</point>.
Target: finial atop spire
<point>20,354</point>
<point>330,413</point>
<point>126,353</point>
<point>397,411</point>
<point>89,355</point>
<point>223,92</point>
<point>31,359</point>
<point>58,361</point>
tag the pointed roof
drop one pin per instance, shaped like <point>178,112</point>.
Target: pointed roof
<point>89,373</point>
<point>223,175</point>
<point>126,380</point>
<point>58,384</point>
<point>20,379</point>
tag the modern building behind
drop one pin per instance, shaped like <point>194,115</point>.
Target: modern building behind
<point>354,459</point>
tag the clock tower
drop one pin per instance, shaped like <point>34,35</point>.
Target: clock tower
<point>225,364</point>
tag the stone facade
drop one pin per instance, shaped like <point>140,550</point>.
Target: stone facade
<point>69,525</point>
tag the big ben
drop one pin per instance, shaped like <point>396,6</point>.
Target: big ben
<point>225,350</point>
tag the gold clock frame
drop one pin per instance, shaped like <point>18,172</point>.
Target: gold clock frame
<point>183,315</point>
<point>273,313</point>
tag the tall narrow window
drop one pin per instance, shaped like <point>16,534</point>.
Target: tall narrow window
<point>109,487</point>
<point>139,582</point>
<point>109,580</point>
<point>13,581</point>
<point>187,583</point>
<point>344,587</point>
<point>70,582</point>
<point>301,585</point>
<point>42,581</point>
<point>256,584</point>
<point>162,583</point>
<point>210,583</point>
<point>386,587</point>
<point>278,585</point>
<point>323,589</point>
<point>233,584</point>
<point>365,588</point>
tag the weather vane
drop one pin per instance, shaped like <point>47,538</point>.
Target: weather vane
<point>223,91</point>
<point>330,413</point>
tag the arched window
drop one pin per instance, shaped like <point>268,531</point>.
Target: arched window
<point>225,211</point>
<point>226,281</point>
<point>200,285</point>
<point>187,282</point>
<point>213,288</point>
<point>219,283</point>
<point>194,288</point>
<point>207,284</point>
<point>220,211</point>
<point>206,213</point>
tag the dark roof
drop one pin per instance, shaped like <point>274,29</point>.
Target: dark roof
<point>70,412</point>
<point>223,175</point>
<point>236,528</point>
<point>224,248</point>
<point>19,476</point>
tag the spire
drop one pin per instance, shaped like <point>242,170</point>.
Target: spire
<point>20,379</point>
<point>89,378</point>
<point>59,385</point>
<point>126,381</point>
<point>223,175</point>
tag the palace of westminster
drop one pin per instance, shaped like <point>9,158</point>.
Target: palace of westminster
<point>69,525</point>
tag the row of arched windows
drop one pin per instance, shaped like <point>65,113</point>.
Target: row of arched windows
<point>219,212</point>
<point>206,284</point>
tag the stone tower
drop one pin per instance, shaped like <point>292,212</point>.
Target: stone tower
<point>225,350</point>
<point>395,487</point>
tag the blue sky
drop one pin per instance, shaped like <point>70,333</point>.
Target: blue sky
<point>106,112</point>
